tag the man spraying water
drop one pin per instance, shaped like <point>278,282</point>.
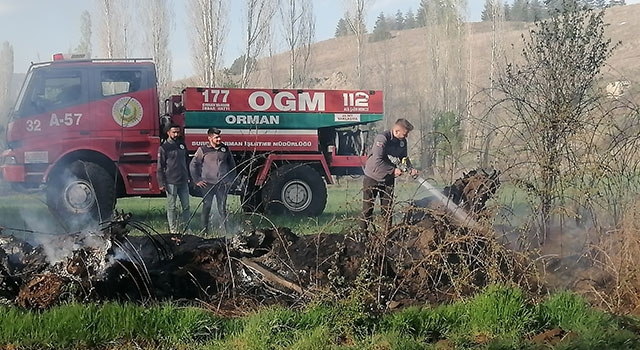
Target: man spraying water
<point>380,173</point>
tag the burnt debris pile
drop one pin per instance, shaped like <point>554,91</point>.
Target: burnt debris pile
<point>427,258</point>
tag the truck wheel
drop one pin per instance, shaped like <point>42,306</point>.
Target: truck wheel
<point>83,191</point>
<point>295,189</point>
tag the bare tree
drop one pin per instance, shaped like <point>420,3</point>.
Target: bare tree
<point>496,8</point>
<point>209,26</point>
<point>298,23</point>
<point>356,13</point>
<point>115,28</point>
<point>158,23</point>
<point>258,20</point>
<point>6,75</point>
<point>274,74</point>
<point>84,46</point>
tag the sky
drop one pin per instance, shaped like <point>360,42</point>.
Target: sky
<point>39,28</point>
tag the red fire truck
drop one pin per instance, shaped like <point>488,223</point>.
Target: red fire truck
<point>88,131</point>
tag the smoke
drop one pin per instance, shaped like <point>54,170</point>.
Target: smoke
<point>60,248</point>
<point>41,229</point>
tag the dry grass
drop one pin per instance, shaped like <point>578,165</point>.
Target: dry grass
<point>616,282</point>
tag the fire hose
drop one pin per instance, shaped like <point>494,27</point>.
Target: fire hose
<point>458,213</point>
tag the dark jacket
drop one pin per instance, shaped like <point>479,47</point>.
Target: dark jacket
<point>213,165</point>
<point>172,163</point>
<point>378,165</point>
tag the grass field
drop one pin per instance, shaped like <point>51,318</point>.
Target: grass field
<point>499,318</point>
<point>29,211</point>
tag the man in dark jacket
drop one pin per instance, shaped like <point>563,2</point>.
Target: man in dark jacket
<point>214,171</point>
<point>380,172</point>
<point>173,175</point>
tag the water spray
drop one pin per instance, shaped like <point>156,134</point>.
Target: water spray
<point>458,213</point>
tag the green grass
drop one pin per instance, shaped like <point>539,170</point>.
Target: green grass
<point>29,211</point>
<point>498,318</point>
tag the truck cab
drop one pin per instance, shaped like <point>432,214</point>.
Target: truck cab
<point>88,130</point>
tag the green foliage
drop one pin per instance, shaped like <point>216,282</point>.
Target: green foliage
<point>381,29</point>
<point>500,311</point>
<point>520,10</point>
<point>342,28</point>
<point>488,10</point>
<point>501,314</point>
<point>552,99</point>
<point>228,80</point>
<point>564,309</point>
<point>448,135</point>
<point>90,325</point>
<point>598,4</point>
<point>596,329</point>
<point>399,22</point>
<point>410,20</point>
<point>268,328</point>
<point>428,323</point>
<point>238,63</point>
<point>347,26</point>
<point>440,12</point>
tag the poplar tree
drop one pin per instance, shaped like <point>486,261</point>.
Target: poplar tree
<point>6,76</point>
<point>158,23</point>
<point>84,46</point>
<point>209,32</point>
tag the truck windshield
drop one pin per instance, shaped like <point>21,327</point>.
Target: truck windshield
<point>23,90</point>
<point>48,90</point>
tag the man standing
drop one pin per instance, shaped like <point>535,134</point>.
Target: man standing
<point>380,172</point>
<point>173,175</point>
<point>214,171</point>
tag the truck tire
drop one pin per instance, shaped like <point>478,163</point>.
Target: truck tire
<point>295,189</point>
<point>82,192</point>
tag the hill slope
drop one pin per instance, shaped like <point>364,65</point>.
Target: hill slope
<point>398,61</point>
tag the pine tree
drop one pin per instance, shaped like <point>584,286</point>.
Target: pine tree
<point>342,29</point>
<point>399,23</point>
<point>594,4</point>
<point>617,3</point>
<point>421,16</point>
<point>536,11</point>
<point>487,11</point>
<point>555,6</point>
<point>409,20</point>
<point>520,11</point>
<point>380,29</point>
<point>507,12</point>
